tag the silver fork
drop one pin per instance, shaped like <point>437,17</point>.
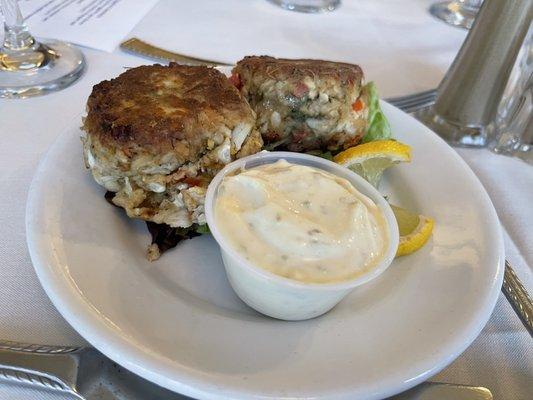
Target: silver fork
<point>414,102</point>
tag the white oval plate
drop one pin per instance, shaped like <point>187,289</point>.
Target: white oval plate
<point>177,322</point>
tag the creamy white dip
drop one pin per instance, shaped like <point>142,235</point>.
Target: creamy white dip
<point>300,222</point>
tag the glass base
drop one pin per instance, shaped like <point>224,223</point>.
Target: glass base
<point>454,134</point>
<point>62,65</point>
<point>308,6</point>
<point>510,144</point>
<point>454,13</point>
<point>517,144</point>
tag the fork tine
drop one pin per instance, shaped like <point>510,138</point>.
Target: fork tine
<point>414,102</point>
<point>415,107</point>
<point>414,99</point>
<point>410,96</point>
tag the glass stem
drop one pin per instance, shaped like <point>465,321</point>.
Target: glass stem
<point>472,5</point>
<point>16,34</point>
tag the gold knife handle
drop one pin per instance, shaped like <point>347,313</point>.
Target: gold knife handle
<point>517,295</point>
<point>137,46</point>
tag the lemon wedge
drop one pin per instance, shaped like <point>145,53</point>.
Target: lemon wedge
<point>369,160</point>
<point>415,230</point>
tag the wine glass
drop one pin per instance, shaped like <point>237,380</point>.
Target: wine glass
<point>458,13</point>
<point>308,6</point>
<point>29,67</point>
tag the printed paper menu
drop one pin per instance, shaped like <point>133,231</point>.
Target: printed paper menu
<point>100,24</point>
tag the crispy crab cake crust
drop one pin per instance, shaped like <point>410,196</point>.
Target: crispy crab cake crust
<point>296,70</point>
<point>156,135</point>
<point>160,109</point>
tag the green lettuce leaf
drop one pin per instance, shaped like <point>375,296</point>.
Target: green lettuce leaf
<point>378,126</point>
<point>328,155</point>
<point>202,229</point>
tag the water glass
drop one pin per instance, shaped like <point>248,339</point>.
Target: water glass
<point>308,6</point>
<point>31,67</point>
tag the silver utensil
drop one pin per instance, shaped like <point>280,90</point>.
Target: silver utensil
<point>518,296</point>
<point>81,371</point>
<point>139,47</point>
<point>413,102</point>
<point>88,375</point>
<point>444,391</point>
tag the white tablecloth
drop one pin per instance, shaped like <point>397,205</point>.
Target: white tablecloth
<point>397,42</point>
<point>501,358</point>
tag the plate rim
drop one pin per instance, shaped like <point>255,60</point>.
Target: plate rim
<point>79,313</point>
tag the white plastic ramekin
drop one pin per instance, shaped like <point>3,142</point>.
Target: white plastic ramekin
<point>281,297</point>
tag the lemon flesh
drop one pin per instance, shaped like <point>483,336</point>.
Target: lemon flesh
<point>415,230</point>
<point>369,160</point>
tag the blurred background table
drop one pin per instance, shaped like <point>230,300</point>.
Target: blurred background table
<point>398,44</point>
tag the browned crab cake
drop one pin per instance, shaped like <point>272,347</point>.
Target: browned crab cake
<point>304,104</point>
<point>156,135</point>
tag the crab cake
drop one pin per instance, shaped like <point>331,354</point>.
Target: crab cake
<point>156,135</point>
<point>304,104</point>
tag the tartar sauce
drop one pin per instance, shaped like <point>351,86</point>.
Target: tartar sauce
<point>300,222</point>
